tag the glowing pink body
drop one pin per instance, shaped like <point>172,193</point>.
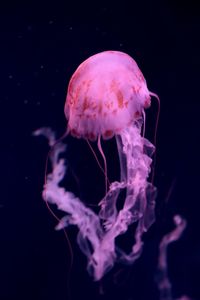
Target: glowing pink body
<point>107,96</point>
<point>106,93</point>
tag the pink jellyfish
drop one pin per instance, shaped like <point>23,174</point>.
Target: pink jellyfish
<point>106,98</point>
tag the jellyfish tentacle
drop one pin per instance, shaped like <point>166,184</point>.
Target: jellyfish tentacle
<point>97,160</point>
<point>104,160</point>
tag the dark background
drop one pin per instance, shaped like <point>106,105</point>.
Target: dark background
<point>42,43</point>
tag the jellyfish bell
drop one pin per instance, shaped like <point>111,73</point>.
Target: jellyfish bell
<point>106,93</point>
<point>106,97</point>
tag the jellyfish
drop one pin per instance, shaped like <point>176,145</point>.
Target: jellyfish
<point>106,98</point>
